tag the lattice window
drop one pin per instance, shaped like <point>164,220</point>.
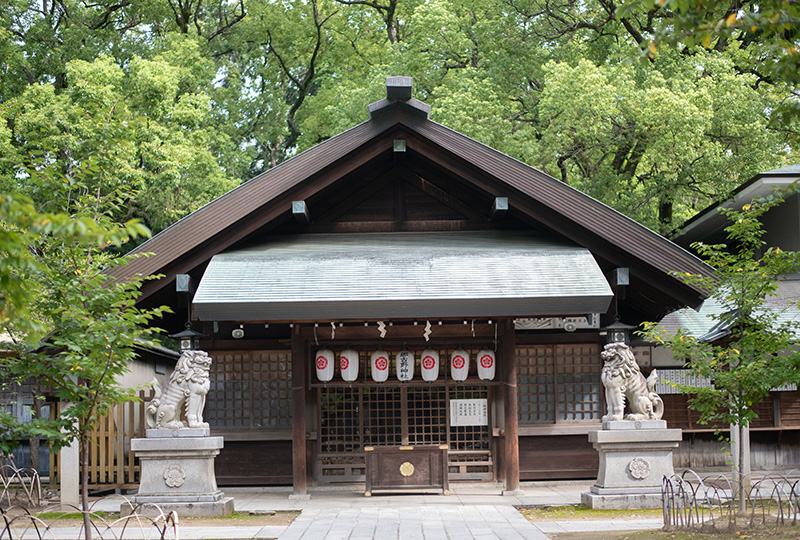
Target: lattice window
<point>250,390</point>
<point>272,390</point>
<point>427,415</point>
<point>382,415</point>
<point>340,421</point>
<point>469,437</point>
<point>559,384</point>
<point>579,382</point>
<point>536,386</point>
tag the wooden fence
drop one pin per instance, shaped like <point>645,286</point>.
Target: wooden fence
<point>112,465</point>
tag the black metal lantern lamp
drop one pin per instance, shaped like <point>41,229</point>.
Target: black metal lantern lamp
<point>188,340</point>
<point>618,332</point>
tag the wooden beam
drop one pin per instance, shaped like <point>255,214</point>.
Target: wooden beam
<point>402,332</point>
<point>184,283</point>
<point>300,212</point>
<point>299,470</point>
<point>499,207</point>
<point>508,348</point>
<point>344,198</point>
<point>440,195</point>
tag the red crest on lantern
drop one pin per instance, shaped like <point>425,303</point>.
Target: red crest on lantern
<point>324,364</point>
<point>430,365</point>
<point>379,365</point>
<point>486,365</point>
<point>459,365</point>
<point>348,365</point>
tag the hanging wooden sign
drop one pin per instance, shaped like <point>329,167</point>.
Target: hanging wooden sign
<point>469,412</point>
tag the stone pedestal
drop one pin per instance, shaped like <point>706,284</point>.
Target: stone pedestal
<point>177,473</point>
<point>634,457</point>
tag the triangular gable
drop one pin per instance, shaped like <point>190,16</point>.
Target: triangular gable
<point>265,202</point>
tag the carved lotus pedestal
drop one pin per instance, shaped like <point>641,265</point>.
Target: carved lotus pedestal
<point>634,457</point>
<point>177,473</point>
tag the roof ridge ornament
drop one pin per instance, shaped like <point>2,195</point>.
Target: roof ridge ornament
<point>398,94</point>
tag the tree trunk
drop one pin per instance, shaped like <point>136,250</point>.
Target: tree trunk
<point>740,450</point>
<point>84,450</point>
<point>36,413</point>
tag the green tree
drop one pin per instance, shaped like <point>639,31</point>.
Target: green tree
<point>756,354</point>
<point>147,129</point>
<point>652,142</point>
<point>91,320</point>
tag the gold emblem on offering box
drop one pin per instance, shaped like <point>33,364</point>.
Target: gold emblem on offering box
<point>406,469</point>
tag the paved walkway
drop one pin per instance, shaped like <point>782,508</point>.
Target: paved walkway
<point>477,511</point>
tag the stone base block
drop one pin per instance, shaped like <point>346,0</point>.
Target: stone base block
<point>219,508</point>
<point>621,502</point>
<point>177,474</point>
<point>629,425</point>
<point>634,461</point>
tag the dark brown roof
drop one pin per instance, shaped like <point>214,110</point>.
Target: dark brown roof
<point>365,151</point>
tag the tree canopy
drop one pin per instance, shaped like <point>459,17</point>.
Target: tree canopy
<point>185,100</point>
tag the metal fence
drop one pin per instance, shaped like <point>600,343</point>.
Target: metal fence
<point>18,485</point>
<point>144,522</point>
<point>711,502</point>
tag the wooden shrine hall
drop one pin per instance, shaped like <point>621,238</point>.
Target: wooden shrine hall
<point>405,307</point>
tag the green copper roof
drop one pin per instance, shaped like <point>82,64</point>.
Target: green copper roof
<point>410,275</point>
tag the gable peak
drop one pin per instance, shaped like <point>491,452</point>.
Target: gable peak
<point>398,94</point>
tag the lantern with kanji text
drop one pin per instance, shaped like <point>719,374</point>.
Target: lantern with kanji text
<point>404,364</point>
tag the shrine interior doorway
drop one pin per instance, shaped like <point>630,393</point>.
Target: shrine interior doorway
<point>352,416</point>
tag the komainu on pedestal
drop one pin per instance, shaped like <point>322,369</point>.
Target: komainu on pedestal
<point>635,448</point>
<point>177,456</point>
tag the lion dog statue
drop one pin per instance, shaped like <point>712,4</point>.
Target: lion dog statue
<point>187,389</point>
<point>624,381</point>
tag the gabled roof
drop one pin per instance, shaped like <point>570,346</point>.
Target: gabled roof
<point>366,151</point>
<point>710,221</point>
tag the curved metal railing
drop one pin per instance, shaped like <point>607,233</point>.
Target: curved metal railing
<point>711,502</point>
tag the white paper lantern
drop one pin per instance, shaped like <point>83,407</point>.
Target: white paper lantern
<point>486,365</point>
<point>430,365</point>
<point>348,365</point>
<point>379,365</point>
<point>404,364</point>
<point>325,363</point>
<point>459,365</point>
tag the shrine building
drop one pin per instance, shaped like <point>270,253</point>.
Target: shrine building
<point>401,287</point>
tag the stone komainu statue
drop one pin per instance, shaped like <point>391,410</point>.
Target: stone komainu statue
<point>187,388</point>
<point>624,382</point>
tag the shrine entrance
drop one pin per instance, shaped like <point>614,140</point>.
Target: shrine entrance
<point>352,416</point>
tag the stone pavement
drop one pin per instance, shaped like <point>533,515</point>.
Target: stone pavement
<point>473,511</point>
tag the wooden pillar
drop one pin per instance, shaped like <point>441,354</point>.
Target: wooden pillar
<point>299,362</point>
<point>508,347</point>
